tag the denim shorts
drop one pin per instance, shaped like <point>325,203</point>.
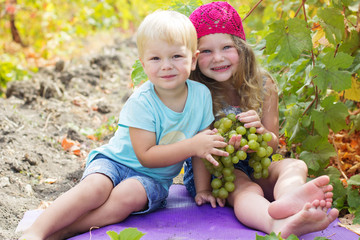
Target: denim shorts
<point>189,175</point>
<point>118,172</point>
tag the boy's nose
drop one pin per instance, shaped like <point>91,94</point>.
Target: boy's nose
<point>167,65</point>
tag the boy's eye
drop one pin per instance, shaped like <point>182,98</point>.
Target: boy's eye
<point>177,56</point>
<point>154,58</point>
<point>205,51</point>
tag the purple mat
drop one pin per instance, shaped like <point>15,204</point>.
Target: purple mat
<point>182,219</point>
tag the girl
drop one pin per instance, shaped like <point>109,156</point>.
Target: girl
<point>284,202</point>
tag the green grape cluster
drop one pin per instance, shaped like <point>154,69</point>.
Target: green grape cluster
<point>259,160</point>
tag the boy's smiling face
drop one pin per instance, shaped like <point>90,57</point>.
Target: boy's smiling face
<point>167,65</point>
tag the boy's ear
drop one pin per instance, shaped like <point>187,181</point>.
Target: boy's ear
<point>194,60</point>
<point>142,63</point>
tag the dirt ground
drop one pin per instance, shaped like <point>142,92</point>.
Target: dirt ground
<point>49,122</point>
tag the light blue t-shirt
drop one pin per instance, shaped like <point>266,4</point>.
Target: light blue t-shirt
<point>144,110</point>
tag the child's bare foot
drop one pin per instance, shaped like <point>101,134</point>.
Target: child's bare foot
<point>289,204</point>
<point>313,217</point>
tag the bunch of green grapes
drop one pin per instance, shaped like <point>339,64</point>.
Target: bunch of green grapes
<point>259,154</point>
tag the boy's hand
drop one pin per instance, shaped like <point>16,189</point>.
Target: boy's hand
<point>206,197</point>
<point>207,143</point>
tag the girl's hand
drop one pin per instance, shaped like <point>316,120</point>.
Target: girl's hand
<point>207,143</point>
<point>235,141</point>
<point>251,119</point>
<point>206,197</point>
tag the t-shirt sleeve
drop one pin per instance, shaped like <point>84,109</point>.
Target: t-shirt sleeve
<point>137,113</point>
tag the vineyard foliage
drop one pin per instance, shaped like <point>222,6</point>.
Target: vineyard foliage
<point>311,47</point>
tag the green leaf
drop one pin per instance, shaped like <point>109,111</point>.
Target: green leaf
<point>113,235</point>
<point>333,115</point>
<point>340,80</point>
<point>138,75</point>
<point>293,39</point>
<point>317,151</point>
<point>354,180</point>
<point>126,234</point>
<point>353,197</point>
<point>332,23</point>
<point>184,8</point>
<point>341,60</point>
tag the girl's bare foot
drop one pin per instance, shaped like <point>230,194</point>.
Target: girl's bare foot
<point>313,217</point>
<point>289,204</point>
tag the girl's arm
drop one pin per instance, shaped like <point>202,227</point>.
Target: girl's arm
<point>203,188</point>
<point>270,115</point>
<point>151,155</point>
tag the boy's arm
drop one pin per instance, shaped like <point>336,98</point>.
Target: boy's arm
<point>202,179</point>
<point>150,155</point>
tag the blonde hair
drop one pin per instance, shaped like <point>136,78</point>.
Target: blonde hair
<point>170,26</point>
<point>249,81</point>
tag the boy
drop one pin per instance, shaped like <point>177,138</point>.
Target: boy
<point>158,130</point>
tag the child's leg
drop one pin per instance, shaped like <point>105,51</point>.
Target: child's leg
<point>291,191</point>
<point>127,197</point>
<point>89,194</point>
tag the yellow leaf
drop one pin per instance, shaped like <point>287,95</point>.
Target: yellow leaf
<point>353,93</point>
<point>319,38</point>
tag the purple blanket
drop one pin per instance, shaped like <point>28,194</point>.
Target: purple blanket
<point>182,219</point>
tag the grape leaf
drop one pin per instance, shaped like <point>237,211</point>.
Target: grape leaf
<point>138,75</point>
<point>184,8</point>
<point>293,39</point>
<point>353,197</point>
<point>332,115</point>
<point>353,93</point>
<point>354,180</point>
<point>328,73</point>
<point>317,151</point>
<point>332,23</point>
<point>127,233</point>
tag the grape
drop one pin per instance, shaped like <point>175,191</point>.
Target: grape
<point>252,136</point>
<point>235,159</point>
<point>258,157</point>
<point>241,130</point>
<point>226,172</point>
<point>230,149</point>
<point>223,193</point>
<point>267,137</point>
<point>243,142</point>
<point>252,130</point>
<point>231,116</point>
<point>261,152</point>
<point>252,144</point>
<point>229,186</point>
<point>241,155</point>
<point>216,183</point>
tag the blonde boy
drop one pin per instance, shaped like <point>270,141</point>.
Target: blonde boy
<point>159,128</point>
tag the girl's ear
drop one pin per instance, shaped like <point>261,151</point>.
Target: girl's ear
<point>194,60</point>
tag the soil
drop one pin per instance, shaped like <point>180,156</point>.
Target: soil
<point>44,121</point>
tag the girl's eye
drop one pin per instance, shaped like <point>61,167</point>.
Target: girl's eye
<point>227,47</point>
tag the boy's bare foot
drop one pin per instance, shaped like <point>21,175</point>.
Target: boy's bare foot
<point>289,204</point>
<point>313,217</point>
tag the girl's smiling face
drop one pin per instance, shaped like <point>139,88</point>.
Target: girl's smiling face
<point>218,58</point>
